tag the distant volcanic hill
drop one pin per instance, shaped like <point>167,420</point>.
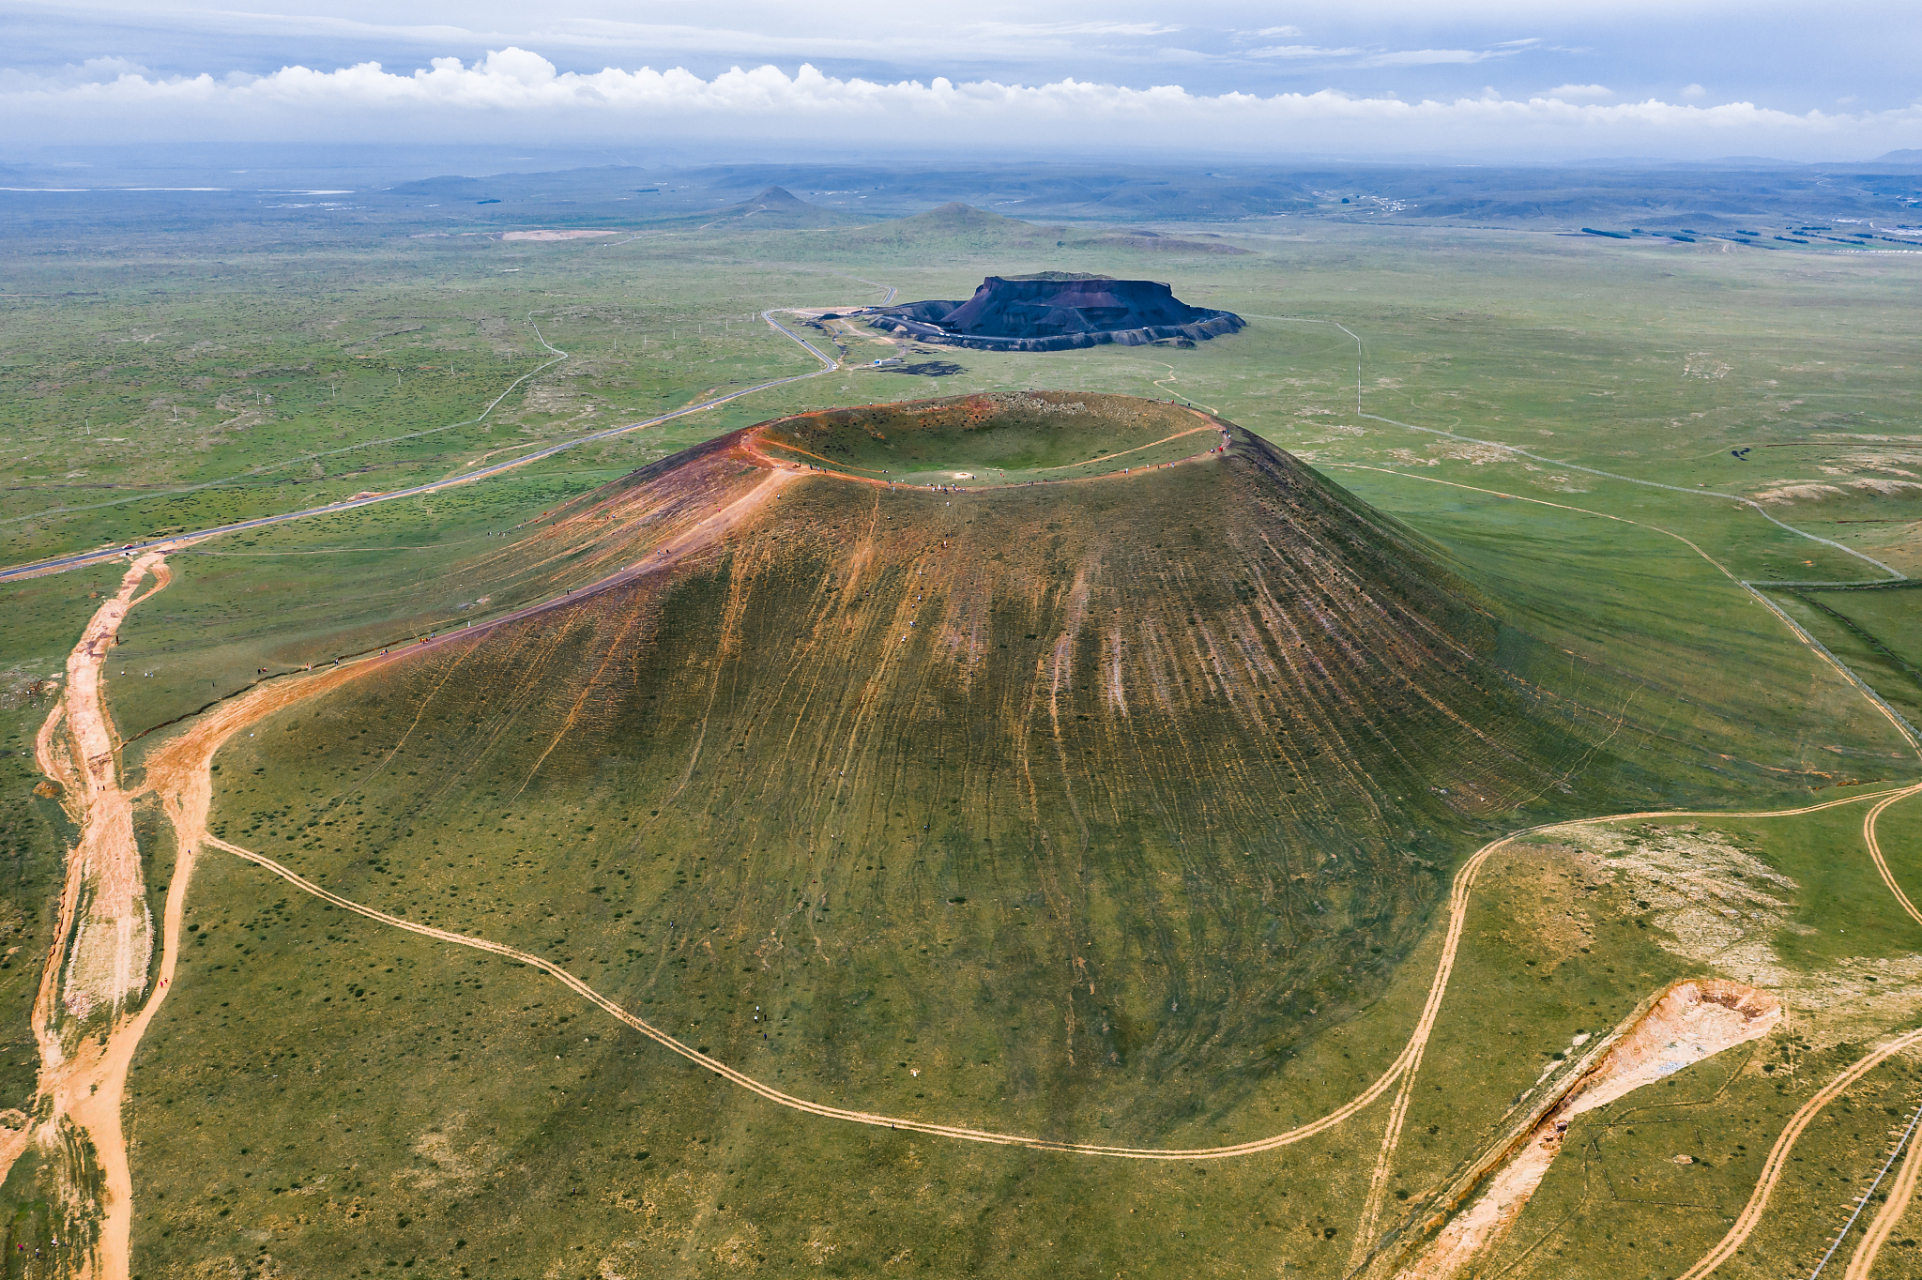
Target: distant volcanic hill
<point>775,207</point>
<point>1057,310</point>
<point>1086,751</point>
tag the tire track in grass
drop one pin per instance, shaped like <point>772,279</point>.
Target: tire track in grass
<point>1391,1138</point>
<point>1777,1163</point>
<point>1459,898</point>
<point>179,773</point>
<point>79,559</point>
<point>1862,1262</point>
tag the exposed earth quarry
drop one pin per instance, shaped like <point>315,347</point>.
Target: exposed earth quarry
<point>1055,310</point>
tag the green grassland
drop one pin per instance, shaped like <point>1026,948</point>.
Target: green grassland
<point>1617,1185</point>
<point>323,1095</point>
<point>1874,631</point>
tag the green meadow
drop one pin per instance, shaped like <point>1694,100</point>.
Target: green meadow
<point>1180,957</point>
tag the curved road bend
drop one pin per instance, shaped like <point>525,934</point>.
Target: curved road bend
<point>100,555</point>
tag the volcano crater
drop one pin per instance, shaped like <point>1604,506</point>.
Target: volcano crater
<point>1058,310</point>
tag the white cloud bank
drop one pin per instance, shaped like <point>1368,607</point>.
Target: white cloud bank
<point>514,93</point>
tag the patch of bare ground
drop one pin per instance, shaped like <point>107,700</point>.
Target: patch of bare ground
<point>1785,492</point>
<point>1691,1021</point>
<point>1473,453</point>
<point>545,235</point>
<point>1791,492</point>
<point>1719,906</point>
<point>98,968</point>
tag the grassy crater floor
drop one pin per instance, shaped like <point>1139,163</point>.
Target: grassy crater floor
<point>994,440</point>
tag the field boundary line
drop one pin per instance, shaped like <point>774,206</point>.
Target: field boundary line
<point>1895,575</point>
<point>1894,717</point>
<point>1883,1225</point>
<point>1862,1202</point>
<point>269,469</point>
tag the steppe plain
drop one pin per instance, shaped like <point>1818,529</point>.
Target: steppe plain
<point>1578,447</point>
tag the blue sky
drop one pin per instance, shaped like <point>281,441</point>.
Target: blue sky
<point>1475,79</point>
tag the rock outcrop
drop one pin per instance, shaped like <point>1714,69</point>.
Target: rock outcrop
<point>1057,310</point>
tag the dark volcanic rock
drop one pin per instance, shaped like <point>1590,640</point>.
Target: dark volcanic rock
<point>1056,310</point>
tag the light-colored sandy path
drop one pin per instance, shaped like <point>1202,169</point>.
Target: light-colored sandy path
<point>102,943</point>
<point>756,444</point>
<point>1752,1213</point>
<point>192,764</point>
<point>1563,464</point>
<point>78,559</point>
<point>1795,629</point>
<point>752,1085</point>
<point>1901,1192</point>
<point>179,773</point>
<point>88,1089</point>
<point>1875,851</point>
<point>1111,457</point>
<point>1384,1168</point>
<point>1778,1158</point>
<point>1743,1226</point>
<point>1391,1137</point>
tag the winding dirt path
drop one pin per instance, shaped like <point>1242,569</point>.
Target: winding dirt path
<point>103,943</point>
<point>99,555</point>
<point>1795,629</point>
<point>1398,1115</point>
<point>1903,1189</point>
<point>88,1088</point>
<point>179,773</point>
<point>182,768</point>
<point>103,940</point>
<point>1901,1192</point>
<point>756,445</point>
<point>1744,1226</point>
<point>1875,851</point>
<point>1772,1169</point>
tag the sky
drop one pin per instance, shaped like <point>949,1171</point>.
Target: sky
<point>1472,79</point>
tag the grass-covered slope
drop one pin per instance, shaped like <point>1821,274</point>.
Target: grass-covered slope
<point>1072,809</point>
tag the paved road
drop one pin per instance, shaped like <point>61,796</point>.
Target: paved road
<point>100,555</point>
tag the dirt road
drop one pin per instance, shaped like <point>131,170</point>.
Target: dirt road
<point>78,559</point>
<point>1778,1158</point>
<point>1744,1226</point>
<point>1888,1217</point>
<point>184,764</point>
<point>756,445</point>
<point>85,1081</point>
<point>99,962</point>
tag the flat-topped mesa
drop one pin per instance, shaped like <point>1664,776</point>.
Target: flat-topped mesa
<point>1057,310</point>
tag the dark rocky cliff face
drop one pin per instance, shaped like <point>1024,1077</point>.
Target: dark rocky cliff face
<point>1048,314</point>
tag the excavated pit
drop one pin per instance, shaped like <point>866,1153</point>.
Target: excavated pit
<point>1688,1023</point>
